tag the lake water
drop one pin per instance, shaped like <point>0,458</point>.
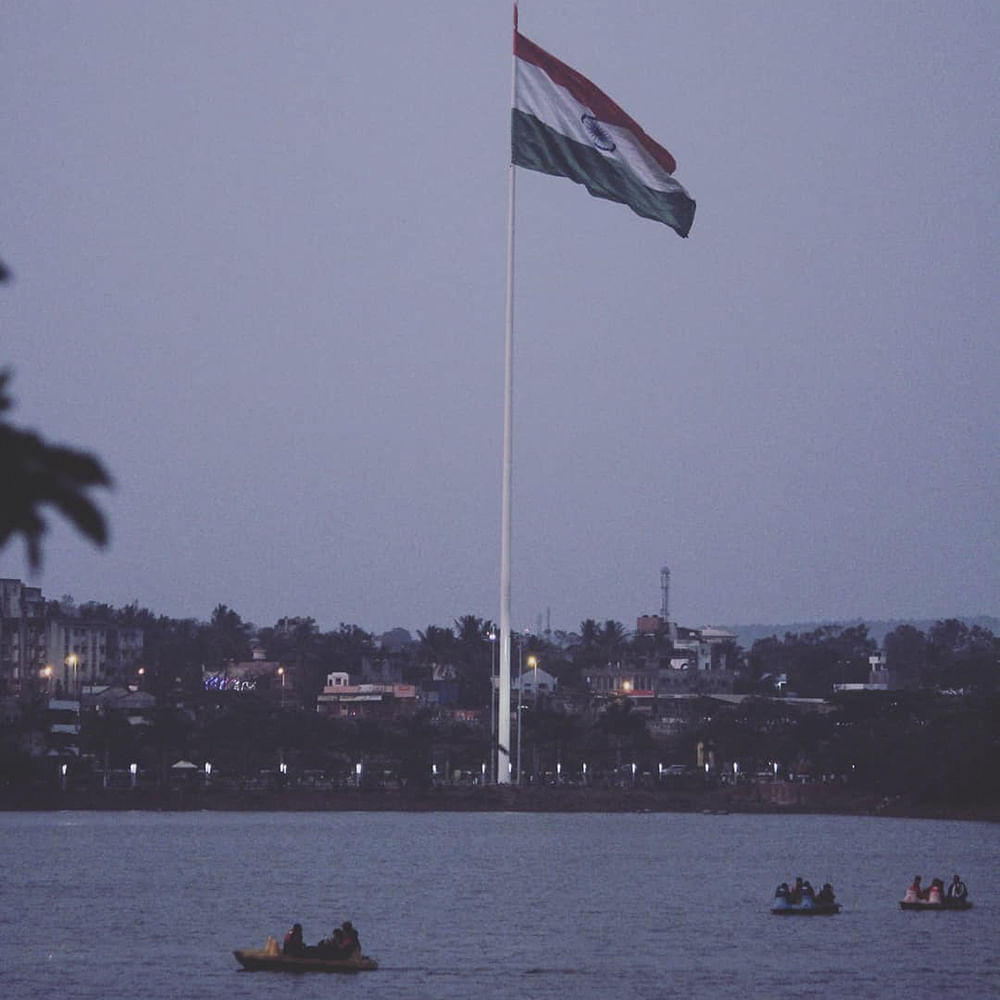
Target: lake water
<point>491,905</point>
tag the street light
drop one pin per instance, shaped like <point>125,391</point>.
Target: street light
<point>73,659</point>
<point>494,713</point>
<point>281,674</point>
<point>533,664</point>
<point>520,698</point>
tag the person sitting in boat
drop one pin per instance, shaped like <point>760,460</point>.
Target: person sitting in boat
<point>352,943</point>
<point>795,896</point>
<point>807,890</point>
<point>782,892</point>
<point>333,946</point>
<point>916,891</point>
<point>825,896</point>
<point>936,892</point>
<point>957,890</point>
<point>294,945</point>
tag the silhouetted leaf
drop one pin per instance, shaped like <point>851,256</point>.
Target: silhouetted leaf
<point>39,474</point>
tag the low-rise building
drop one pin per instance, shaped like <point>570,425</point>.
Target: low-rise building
<point>534,682</point>
<point>120,700</point>
<point>63,727</point>
<point>383,701</point>
<point>705,649</point>
<point>878,677</point>
<point>637,682</point>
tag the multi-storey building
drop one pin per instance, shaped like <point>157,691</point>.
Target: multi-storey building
<point>44,648</point>
<point>22,635</point>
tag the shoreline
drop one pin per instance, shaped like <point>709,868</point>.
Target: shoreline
<point>778,799</point>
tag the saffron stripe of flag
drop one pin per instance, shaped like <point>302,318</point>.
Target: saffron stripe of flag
<point>561,124</point>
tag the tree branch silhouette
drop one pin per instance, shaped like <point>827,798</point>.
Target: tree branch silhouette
<point>38,474</point>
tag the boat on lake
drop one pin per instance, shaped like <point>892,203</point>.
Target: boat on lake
<point>267,960</point>
<point>936,898</point>
<point>801,901</point>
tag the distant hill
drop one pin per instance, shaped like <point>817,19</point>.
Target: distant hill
<point>747,635</point>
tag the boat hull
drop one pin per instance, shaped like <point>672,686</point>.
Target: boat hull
<point>798,910</point>
<point>947,904</point>
<point>258,960</point>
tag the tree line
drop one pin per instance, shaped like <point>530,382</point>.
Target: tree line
<point>950,656</point>
<point>923,740</point>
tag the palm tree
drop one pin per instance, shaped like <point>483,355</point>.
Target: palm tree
<point>475,659</point>
<point>613,637</point>
<point>471,630</point>
<point>590,634</point>
<point>437,645</point>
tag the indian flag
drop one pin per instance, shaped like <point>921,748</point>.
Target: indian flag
<point>562,124</point>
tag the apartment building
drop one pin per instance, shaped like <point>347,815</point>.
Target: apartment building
<point>22,635</point>
<point>44,648</point>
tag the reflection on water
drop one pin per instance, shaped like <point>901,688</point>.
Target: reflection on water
<point>491,905</point>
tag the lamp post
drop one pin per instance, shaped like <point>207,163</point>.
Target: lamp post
<point>281,674</point>
<point>494,712</point>
<point>520,696</point>
<point>73,659</point>
<point>533,664</point>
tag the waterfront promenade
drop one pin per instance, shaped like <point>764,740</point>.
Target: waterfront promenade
<point>778,797</point>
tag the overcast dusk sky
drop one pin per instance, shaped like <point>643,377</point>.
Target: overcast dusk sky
<point>259,262</point>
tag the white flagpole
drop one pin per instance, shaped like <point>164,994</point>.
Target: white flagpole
<point>503,718</point>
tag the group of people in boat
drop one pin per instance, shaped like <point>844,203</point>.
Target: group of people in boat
<point>802,890</point>
<point>936,892</point>
<point>343,943</point>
